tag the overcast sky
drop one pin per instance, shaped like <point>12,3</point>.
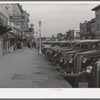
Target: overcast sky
<point>59,17</point>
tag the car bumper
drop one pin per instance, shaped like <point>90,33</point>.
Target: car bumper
<point>70,74</point>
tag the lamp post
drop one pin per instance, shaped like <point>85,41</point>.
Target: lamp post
<point>37,41</point>
<point>39,37</point>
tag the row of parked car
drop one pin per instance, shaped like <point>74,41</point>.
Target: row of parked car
<point>78,58</point>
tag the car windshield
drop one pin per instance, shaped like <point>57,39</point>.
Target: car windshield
<point>84,46</point>
<point>77,46</point>
<point>71,45</point>
<point>95,46</point>
<point>64,44</point>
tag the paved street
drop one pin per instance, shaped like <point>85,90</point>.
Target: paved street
<point>27,69</point>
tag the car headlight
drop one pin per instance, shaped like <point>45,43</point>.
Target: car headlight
<point>50,51</point>
<point>55,55</point>
<point>61,60</point>
<point>84,60</point>
<point>71,60</point>
<point>63,55</point>
<point>89,69</point>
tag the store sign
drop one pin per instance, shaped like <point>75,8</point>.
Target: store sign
<point>17,19</point>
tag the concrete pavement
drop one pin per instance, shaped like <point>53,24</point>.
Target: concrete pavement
<point>27,69</point>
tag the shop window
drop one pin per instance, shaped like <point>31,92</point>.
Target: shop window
<point>98,27</point>
<point>97,16</point>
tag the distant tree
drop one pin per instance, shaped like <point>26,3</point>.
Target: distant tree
<point>59,36</point>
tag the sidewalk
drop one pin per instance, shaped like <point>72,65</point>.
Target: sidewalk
<point>44,67</point>
<point>27,69</point>
<point>16,63</point>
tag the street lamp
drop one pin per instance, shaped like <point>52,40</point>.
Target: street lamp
<point>39,37</point>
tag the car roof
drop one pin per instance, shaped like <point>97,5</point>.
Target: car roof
<point>89,52</point>
<point>84,41</point>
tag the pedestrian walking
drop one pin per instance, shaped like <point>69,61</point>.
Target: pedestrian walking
<point>34,44</point>
<point>30,44</point>
<point>21,45</point>
<point>18,45</point>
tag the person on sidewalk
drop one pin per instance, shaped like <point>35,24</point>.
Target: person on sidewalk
<point>34,44</point>
<point>30,44</point>
<point>21,46</point>
<point>18,46</point>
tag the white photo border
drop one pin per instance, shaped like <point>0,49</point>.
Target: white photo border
<point>39,93</point>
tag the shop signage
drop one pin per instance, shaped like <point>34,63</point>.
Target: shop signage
<point>17,19</point>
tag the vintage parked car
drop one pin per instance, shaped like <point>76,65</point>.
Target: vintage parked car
<point>61,52</point>
<point>44,49</point>
<point>46,45</point>
<point>83,65</point>
<point>90,73</point>
<point>53,50</point>
<point>82,46</point>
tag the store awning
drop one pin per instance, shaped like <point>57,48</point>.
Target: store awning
<point>13,35</point>
<point>4,29</point>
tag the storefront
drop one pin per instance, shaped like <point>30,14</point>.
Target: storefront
<point>4,38</point>
<point>13,39</point>
<point>97,35</point>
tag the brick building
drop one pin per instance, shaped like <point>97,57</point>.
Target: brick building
<point>97,21</point>
<point>87,29</point>
<point>93,28</point>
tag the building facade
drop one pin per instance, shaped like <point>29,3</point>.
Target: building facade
<point>11,31</point>
<point>29,33</point>
<point>97,20</point>
<point>73,34</point>
<point>15,34</point>
<point>4,26</point>
<point>85,30</point>
<point>18,27</point>
<point>88,29</point>
<point>93,28</point>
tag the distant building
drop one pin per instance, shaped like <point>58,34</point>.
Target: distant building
<point>85,30</point>
<point>97,20</point>
<point>24,25</point>
<point>29,33</point>
<point>93,28</point>
<point>88,29</point>
<point>77,34</point>
<point>73,34</point>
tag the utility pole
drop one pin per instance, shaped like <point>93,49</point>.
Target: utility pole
<point>39,37</point>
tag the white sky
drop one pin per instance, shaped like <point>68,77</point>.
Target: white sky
<point>59,17</point>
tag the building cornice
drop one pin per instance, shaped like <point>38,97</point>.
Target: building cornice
<point>96,8</point>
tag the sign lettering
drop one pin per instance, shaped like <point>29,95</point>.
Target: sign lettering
<point>17,19</point>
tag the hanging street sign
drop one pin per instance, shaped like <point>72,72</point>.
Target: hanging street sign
<point>17,19</point>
